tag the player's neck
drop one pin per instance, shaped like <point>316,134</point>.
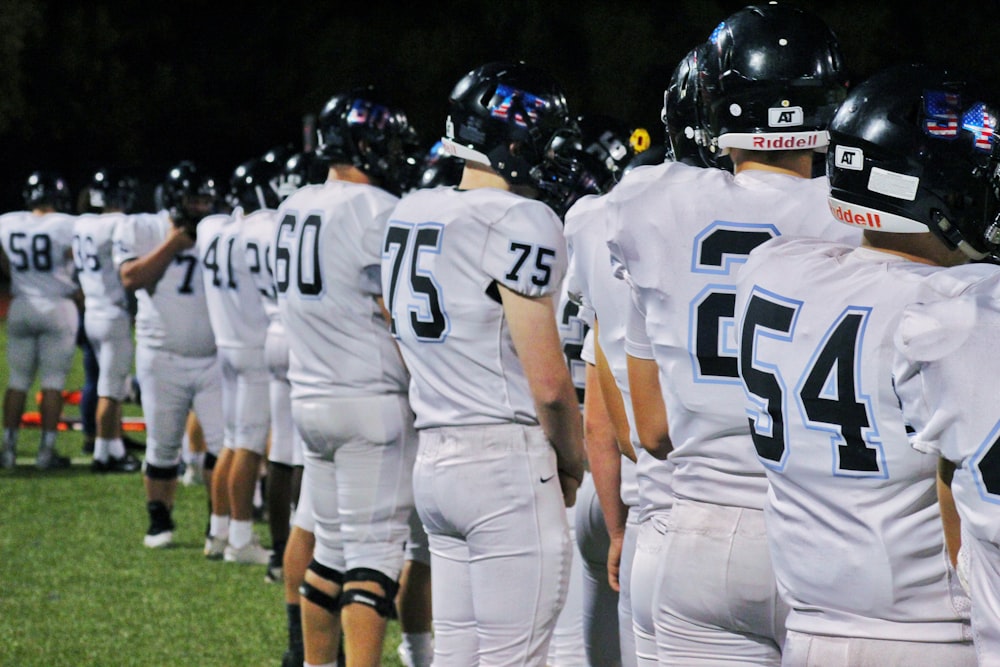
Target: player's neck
<point>480,176</point>
<point>790,163</point>
<point>348,173</point>
<point>922,248</point>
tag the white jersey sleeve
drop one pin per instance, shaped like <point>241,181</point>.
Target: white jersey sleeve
<point>445,251</point>
<point>234,304</point>
<point>104,295</point>
<point>947,376</point>
<point>852,516</point>
<point>173,315</point>
<point>327,241</point>
<point>39,250</point>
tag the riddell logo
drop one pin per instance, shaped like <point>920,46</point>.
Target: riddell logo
<point>779,142</point>
<point>850,217</point>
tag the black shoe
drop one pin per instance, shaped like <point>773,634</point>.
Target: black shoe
<point>127,463</point>
<point>49,460</point>
<point>133,445</point>
<point>161,526</point>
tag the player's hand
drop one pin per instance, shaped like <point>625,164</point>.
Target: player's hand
<point>180,239</point>
<point>615,562</point>
<point>569,485</point>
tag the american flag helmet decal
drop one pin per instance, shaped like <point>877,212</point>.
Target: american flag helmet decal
<point>941,114</point>
<point>981,122</point>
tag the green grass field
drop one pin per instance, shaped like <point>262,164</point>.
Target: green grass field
<point>77,587</point>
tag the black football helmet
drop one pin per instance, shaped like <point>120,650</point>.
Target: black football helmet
<point>111,190</point>
<point>361,128</point>
<point>680,111</point>
<point>299,170</point>
<point>254,184</point>
<point>770,78</point>
<point>188,195</point>
<point>46,188</point>
<point>590,159</point>
<point>440,168</point>
<point>913,149</point>
<point>504,115</point>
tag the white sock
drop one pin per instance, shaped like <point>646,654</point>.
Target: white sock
<point>218,526</point>
<point>240,533</point>
<point>102,447</point>
<point>116,448</point>
<point>419,646</point>
<point>325,664</point>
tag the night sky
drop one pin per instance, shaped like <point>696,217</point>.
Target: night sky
<point>141,86</point>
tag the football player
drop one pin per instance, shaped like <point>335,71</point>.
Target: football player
<point>43,316</point>
<point>176,358</point>
<point>348,381</point>
<point>240,324</point>
<point>769,79</point>
<point>591,165</point>
<point>940,345</point>
<point>469,274</point>
<point>852,516</point>
<point>106,315</point>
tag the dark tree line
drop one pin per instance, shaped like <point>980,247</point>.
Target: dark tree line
<point>141,85</point>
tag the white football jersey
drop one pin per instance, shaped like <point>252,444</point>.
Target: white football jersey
<point>680,235</point>
<point>234,304</point>
<point>327,255</point>
<point>39,249</point>
<point>947,376</point>
<point>852,516</point>
<point>173,315</point>
<point>444,252</point>
<point>104,295</point>
<point>259,230</point>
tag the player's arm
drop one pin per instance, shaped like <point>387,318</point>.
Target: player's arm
<point>613,402</point>
<point>647,404</point>
<point>950,521</point>
<point>532,323</point>
<point>605,467</point>
<point>144,272</point>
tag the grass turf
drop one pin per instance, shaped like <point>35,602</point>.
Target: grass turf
<point>78,587</point>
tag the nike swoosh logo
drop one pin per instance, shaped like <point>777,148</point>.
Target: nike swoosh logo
<point>545,479</point>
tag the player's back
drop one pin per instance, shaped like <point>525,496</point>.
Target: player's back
<point>682,238</point>
<point>172,315</point>
<point>259,229</point>
<point>38,249</point>
<point>327,258</point>
<point>104,294</point>
<point>234,305</point>
<point>444,252</point>
<point>852,513</point>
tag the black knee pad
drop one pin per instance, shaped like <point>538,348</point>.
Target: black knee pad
<point>156,472</point>
<point>331,603</point>
<point>384,605</point>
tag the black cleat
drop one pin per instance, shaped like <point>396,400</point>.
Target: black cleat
<point>161,526</point>
<point>126,463</point>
